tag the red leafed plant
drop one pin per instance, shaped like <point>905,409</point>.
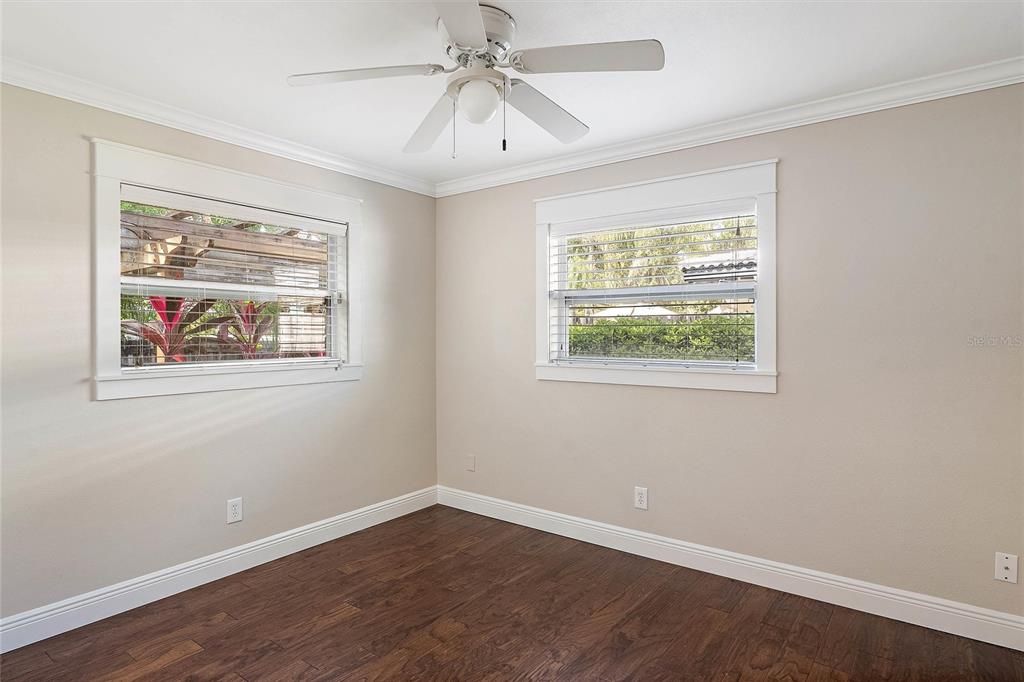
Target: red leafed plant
<point>245,328</point>
<point>175,323</point>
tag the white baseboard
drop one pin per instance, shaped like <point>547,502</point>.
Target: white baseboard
<point>986,625</point>
<point>957,618</point>
<point>53,619</point>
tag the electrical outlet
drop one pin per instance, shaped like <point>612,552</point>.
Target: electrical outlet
<point>1006,567</point>
<point>469,462</point>
<point>640,497</point>
<point>235,510</point>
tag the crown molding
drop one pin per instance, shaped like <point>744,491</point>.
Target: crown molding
<point>92,94</point>
<point>962,81</point>
<point>959,82</point>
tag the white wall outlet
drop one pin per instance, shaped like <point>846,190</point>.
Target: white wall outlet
<point>640,497</point>
<point>235,510</point>
<point>1006,567</point>
<point>469,462</point>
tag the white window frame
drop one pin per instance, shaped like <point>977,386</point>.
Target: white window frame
<point>117,164</point>
<point>683,198</point>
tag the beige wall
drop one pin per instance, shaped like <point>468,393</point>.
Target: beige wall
<point>98,492</point>
<point>893,450</point>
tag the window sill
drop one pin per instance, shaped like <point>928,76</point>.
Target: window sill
<point>176,381</point>
<point>748,380</point>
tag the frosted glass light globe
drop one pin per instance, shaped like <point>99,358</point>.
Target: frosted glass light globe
<point>478,101</point>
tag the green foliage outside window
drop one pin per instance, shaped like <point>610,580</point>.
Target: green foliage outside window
<point>716,330</point>
<point>207,330</point>
<point>710,338</point>
<point>653,256</point>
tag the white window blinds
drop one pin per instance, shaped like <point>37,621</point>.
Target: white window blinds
<point>673,293</point>
<point>214,282</point>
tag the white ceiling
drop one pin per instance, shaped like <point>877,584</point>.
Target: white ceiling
<point>228,61</point>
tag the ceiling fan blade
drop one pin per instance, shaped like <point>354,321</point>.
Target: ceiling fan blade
<point>629,55</point>
<point>321,77</point>
<point>560,123</point>
<point>432,126</point>
<point>463,22</point>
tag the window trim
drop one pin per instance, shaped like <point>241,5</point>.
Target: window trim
<point>678,198</point>
<point>114,164</point>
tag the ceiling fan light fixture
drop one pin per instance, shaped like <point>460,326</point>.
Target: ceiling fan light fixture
<point>478,39</point>
<point>478,101</point>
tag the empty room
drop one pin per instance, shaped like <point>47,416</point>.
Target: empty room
<point>512,340</point>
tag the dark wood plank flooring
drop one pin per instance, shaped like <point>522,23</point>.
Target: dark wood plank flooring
<point>444,594</point>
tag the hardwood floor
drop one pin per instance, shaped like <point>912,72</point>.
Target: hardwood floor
<point>444,594</point>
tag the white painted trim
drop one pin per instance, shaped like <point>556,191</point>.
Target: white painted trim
<point>959,82</point>
<point>949,84</point>
<point>121,171</point>
<point>24,75</point>
<point>762,181</point>
<point>695,193</point>
<point>765,307</point>
<point>46,621</point>
<point>146,195</point>
<point>658,217</point>
<point>157,170</point>
<point>750,381</point>
<point>996,627</point>
<point>212,379</point>
<point>987,625</point>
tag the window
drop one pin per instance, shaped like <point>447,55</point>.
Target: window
<point>635,290</point>
<point>198,287</point>
<point>674,294</point>
<point>205,293</point>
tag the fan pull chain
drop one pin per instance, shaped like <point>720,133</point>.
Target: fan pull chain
<point>504,117</point>
<point>455,110</point>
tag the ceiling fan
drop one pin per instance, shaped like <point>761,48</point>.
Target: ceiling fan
<point>479,39</point>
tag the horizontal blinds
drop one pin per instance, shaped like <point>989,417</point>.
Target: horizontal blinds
<point>205,288</point>
<point>157,330</point>
<point>708,331</point>
<point>674,293</point>
<point>721,250</point>
<point>158,242</point>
